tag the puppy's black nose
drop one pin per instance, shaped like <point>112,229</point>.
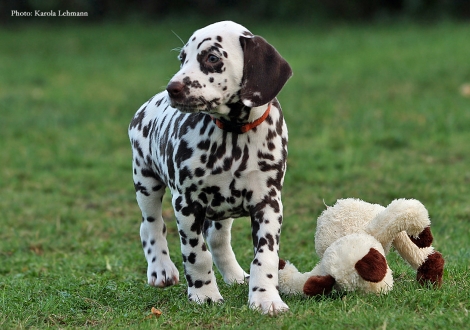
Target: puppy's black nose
<point>175,89</point>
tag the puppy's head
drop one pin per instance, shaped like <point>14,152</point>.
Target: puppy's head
<point>224,63</point>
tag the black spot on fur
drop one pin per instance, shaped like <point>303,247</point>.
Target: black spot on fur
<point>183,153</point>
<point>203,158</point>
<point>261,242</point>
<point>227,163</point>
<point>198,172</point>
<point>254,232</point>
<point>206,39</point>
<point>146,130</point>
<point>243,164</point>
<point>192,258</point>
<point>270,239</point>
<point>184,173</point>
<point>193,242</point>
<point>138,118</point>
<point>262,155</point>
<point>169,161</point>
<point>178,205</point>
<point>136,146</point>
<point>157,187</point>
<point>203,198</point>
<point>204,145</point>
<point>189,280</point>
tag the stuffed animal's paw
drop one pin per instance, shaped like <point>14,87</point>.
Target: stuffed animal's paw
<point>318,285</point>
<point>424,239</point>
<point>431,270</point>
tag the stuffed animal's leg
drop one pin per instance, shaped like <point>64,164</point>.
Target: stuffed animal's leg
<point>419,253</point>
<point>407,215</point>
<point>315,282</point>
<point>318,285</point>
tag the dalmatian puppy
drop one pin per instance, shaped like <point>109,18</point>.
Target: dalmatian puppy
<point>217,139</point>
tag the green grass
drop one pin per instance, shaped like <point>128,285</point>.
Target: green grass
<point>374,112</point>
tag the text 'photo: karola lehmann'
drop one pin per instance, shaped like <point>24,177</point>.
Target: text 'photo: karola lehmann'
<point>49,13</point>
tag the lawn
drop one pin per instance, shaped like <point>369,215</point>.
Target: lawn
<point>375,112</point>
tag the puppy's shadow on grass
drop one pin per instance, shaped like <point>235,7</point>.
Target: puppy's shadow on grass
<point>331,297</point>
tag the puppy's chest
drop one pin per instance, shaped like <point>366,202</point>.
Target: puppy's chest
<point>220,158</point>
<point>226,183</point>
<point>225,172</point>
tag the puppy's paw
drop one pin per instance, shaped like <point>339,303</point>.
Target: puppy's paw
<point>268,305</point>
<point>162,274</point>
<point>202,298</point>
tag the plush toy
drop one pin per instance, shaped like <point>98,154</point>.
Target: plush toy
<point>352,239</point>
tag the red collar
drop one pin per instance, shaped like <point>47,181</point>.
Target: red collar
<point>241,128</point>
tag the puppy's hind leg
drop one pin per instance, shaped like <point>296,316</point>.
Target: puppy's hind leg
<point>218,237</point>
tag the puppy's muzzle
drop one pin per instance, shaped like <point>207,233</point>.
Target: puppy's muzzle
<point>175,90</point>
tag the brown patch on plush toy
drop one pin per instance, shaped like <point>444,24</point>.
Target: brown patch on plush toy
<point>282,264</point>
<point>424,238</point>
<point>318,285</point>
<point>431,270</point>
<point>372,267</point>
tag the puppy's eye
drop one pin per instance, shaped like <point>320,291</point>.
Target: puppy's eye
<point>212,59</point>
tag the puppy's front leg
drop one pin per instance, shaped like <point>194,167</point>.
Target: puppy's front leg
<point>197,259</point>
<point>266,220</point>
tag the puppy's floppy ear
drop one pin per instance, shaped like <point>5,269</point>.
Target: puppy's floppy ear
<point>264,71</point>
